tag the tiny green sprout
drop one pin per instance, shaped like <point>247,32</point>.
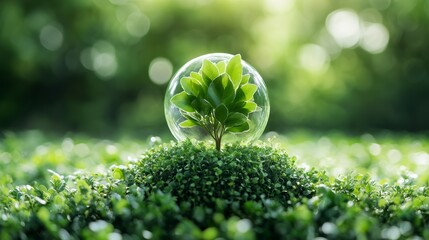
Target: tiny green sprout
<point>217,98</point>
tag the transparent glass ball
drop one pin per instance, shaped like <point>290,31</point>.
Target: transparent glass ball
<point>257,119</point>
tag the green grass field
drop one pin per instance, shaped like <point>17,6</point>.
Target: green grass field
<point>26,157</point>
<point>358,187</point>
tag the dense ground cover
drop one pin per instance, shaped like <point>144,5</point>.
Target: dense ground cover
<point>337,187</point>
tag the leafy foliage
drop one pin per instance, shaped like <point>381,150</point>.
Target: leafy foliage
<point>218,98</point>
<point>167,194</point>
<point>349,88</point>
<point>200,175</point>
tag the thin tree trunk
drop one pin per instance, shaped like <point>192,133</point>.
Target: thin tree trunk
<point>218,141</point>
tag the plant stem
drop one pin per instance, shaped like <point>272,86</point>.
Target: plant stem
<point>218,143</point>
<point>219,135</point>
<point>216,134</point>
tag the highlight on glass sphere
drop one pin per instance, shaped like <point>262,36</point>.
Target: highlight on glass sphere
<point>217,97</point>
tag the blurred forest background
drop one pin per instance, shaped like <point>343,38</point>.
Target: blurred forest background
<point>102,66</point>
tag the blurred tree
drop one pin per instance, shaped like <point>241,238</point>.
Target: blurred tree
<point>102,67</point>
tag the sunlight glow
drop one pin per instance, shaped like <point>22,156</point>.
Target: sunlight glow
<point>243,225</point>
<point>51,37</point>
<point>374,38</point>
<point>394,155</point>
<point>160,70</point>
<point>98,225</point>
<point>147,234</point>
<point>420,158</point>
<point>348,30</point>
<point>343,25</point>
<point>100,58</point>
<point>375,149</point>
<point>82,150</point>
<point>119,2</point>
<point>105,64</point>
<point>277,6</point>
<point>313,58</point>
<point>104,59</point>
<point>67,145</point>
<point>391,233</point>
<point>111,149</point>
<point>137,24</point>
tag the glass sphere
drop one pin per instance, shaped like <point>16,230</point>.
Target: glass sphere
<point>257,119</point>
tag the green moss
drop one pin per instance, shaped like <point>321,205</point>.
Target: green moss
<point>199,175</point>
<point>190,191</point>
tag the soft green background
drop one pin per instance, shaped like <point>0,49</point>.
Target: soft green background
<point>101,67</point>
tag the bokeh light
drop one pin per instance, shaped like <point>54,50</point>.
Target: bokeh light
<point>344,26</point>
<point>313,58</point>
<point>348,29</point>
<point>138,24</point>
<point>375,38</point>
<point>160,70</point>
<point>278,6</point>
<point>100,58</point>
<point>51,37</point>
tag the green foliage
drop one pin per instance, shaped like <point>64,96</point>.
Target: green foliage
<point>98,80</point>
<point>200,176</point>
<point>191,191</point>
<point>218,98</point>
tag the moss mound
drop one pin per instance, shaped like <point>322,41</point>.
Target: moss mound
<point>201,175</point>
<point>186,191</point>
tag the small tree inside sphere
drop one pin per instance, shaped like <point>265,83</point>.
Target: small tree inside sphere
<point>217,98</point>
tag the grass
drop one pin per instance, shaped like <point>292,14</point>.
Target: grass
<point>386,157</point>
<point>338,186</point>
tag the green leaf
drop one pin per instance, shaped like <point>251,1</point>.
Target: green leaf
<point>249,107</point>
<point>193,116</point>
<point>240,128</point>
<point>200,79</point>
<point>221,66</point>
<point>235,70</point>
<point>188,124</point>
<point>245,107</point>
<point>118,174</point>
<point>235,119</point>
<point>196,76</point>
<point>245,92</point>
<point>207,80</point>
<point>183,101</point>
<point>191,86</point>
<point>221,90</point>
<point>202,106</point>
<point>210,69</point>
<point>245,79</point>
<point>221,113</point>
